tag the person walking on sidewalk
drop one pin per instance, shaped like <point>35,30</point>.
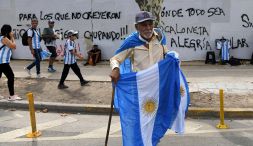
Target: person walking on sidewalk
<point>7,44</point>
<point>34,46</point>
<point>49,36</point>
<point>70,54</point>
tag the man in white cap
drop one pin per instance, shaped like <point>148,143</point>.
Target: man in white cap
<point>141,49</point>
<point>49,36</point>
<point>70,54</point>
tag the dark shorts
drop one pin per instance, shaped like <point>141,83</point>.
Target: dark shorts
<point>52,49</point>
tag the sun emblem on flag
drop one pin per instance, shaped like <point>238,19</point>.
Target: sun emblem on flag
<point>182,91</point>
<point>149,107</point>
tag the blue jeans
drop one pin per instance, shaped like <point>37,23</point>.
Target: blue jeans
<point>37,60</point>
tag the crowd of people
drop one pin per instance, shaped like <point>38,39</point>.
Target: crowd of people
<point>143,53</point>
<point>139,51</point>
<point>49,35</point>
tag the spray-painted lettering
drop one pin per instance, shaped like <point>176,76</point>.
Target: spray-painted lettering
<point>238,43</point>
<point>111,35</point>
<point>198,30</point>
<point>171,13</point>
<point>246,21</point>
<point>216,11</point>
<point>60,16</point>
<point>182,42</point>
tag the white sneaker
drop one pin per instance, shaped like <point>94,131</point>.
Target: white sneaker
<point>28,71</point>
<point>14,97</point>
<point>51,69</point>
<point>38,76</point>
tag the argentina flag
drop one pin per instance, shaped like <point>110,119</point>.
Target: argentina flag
<point>152,101</point>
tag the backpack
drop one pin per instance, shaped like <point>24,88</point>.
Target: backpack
<point>47,31</point>
<point>234,61</point>
<point>25,38</point>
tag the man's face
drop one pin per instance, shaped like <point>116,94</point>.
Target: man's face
<point>145,29</point>
<point>51,24</point>
<point>73,37</point>
<point>34,23</point>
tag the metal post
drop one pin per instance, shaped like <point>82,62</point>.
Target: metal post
<point>222,124</point>
<point>34,132</point>
<point>110,117</point>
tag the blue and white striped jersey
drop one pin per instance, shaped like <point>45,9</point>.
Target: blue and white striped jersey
<point>5,53</point>
<point>225,47</point>
<point>69,58</point>
<point>35,38</point>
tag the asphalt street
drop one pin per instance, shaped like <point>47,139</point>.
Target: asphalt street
<point>81,128</point>
<point>62,129</point>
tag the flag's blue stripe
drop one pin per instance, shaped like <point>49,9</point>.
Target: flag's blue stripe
<point>129,109</point>
<point>130,42</point>
<point>126,66</point>
<point>169,97</point>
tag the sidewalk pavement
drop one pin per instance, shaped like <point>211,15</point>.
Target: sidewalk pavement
<point>207,78</point>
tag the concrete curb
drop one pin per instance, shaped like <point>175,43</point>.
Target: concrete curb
<point>215,112</point>
<point>193,112</point>
<point>57,107</point>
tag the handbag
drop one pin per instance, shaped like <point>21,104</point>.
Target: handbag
<point>45,54</point>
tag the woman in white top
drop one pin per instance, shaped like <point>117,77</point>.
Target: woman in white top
<point>7,44</point>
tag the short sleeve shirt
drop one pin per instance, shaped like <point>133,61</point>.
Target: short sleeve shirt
<point>35,35</point>
<point>69,57</point>
<point>5,53</point>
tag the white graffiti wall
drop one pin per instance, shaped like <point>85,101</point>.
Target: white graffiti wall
<point>191,26</point>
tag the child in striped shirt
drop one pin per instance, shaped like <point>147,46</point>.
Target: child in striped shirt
<point>70,54</point>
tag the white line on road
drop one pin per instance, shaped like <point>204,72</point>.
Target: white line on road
<point>7,118</point>
<point>97,133</point>
<point>247,134</point>
<point>100,133</point>
<point>9,136</point>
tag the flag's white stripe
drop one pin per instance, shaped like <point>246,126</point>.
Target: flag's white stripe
<point>7,118</point>
<point>148,89</point>
<point>178,124</point>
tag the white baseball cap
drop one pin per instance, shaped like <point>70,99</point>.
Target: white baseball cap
<point>72,32</point>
